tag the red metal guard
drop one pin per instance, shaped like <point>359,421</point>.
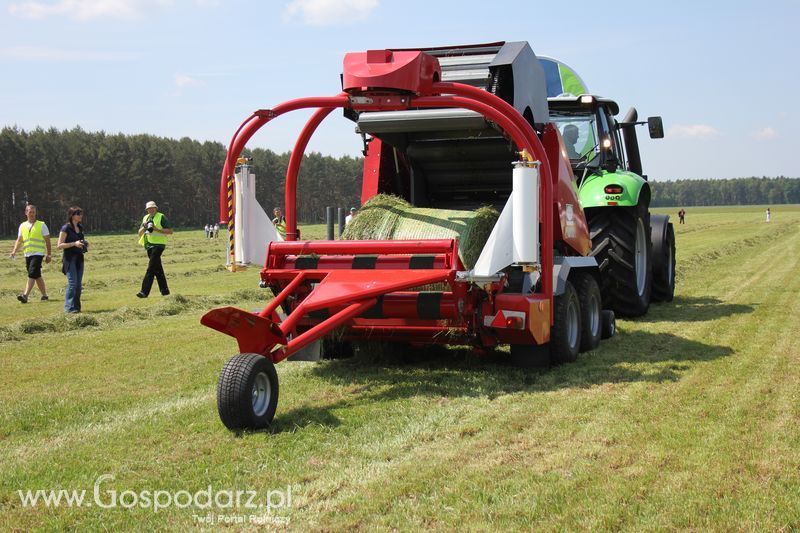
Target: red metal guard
<point>345,293</point>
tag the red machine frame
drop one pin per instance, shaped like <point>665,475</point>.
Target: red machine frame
<point>336,286</point>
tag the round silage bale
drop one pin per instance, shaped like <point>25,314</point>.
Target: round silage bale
<point>386,217</point>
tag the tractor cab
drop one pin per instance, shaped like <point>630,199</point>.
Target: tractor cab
<point>591,133</point>
<point>594,139</point>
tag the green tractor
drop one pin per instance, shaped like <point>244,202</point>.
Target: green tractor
<point>634,249</point>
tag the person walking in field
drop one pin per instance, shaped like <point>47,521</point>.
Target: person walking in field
<point>769,215</point>
<point>216,230</point>
<point>153,236</point>
<point>34,238</point>
<point>73,243</point>
<point>682,216</point>
<point>279,221</point>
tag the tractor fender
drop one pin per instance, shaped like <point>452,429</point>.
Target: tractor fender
<point>593,190</point>
<point>658,235</point>
<point>563,265</point>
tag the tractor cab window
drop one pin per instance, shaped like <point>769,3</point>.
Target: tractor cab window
<point>579,133</point>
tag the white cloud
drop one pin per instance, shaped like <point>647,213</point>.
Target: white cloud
<point>766,133</point>
<point>85,9</point>
<point>330,12</point>
<point>693,131</point>
<point>182,80</point>
<point>36,53</point>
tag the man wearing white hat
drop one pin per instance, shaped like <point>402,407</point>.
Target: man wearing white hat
<point>153,236</point>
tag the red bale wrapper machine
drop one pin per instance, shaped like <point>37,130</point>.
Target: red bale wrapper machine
<point>458,127</point>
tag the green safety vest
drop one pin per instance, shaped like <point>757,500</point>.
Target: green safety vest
<point>280,225</point>
<point>32,238</point>
<point>153,238</point>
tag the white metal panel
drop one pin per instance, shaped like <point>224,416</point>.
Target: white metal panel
<point>525,226</point>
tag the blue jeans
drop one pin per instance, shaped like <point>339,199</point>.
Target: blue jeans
<point>72,301</point>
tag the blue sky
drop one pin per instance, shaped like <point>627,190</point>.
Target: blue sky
<point>722,74</point>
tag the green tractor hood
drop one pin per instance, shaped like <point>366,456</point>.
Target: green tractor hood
<point>620,188</point>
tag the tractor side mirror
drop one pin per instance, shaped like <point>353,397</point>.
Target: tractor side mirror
<point>656,127</point>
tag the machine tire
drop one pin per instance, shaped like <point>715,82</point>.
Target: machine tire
<point>247,392</point>
<point>565,336</point>
<point>530,355</point>
<point>625,282</point>
<point>591,307</point>
<point>663,237</point>
<point>609,324</point>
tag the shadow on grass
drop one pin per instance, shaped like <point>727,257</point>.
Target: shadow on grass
<point>689,309</point>
<point>438,373</point>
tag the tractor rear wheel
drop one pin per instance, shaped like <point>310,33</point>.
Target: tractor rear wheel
<point>663,237</point>
<point>622,246</point>
<point>247,392</point>
<point>591,307</point>
<point>565,335</point>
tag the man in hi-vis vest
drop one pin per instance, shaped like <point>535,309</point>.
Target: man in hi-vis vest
<point>34,237</point>
<point>153,236</point>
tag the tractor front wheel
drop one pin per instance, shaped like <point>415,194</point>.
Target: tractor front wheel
<point>247,392</point>
<point>622,246</point>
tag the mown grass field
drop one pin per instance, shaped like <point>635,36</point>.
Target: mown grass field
<point>688,419</point>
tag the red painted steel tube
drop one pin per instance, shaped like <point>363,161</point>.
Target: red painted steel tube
<point>252,124</point>
<point>388,262</point>
<point>546,183</point>
<point>538,152</point>
<point>223,213</point>
<point>404,305</point>
<point>437,246</point>
<point>483,102</point>
<point>290,191</point>
<point>523,141</point>
<point>322,328</point>
<point>289,289</point>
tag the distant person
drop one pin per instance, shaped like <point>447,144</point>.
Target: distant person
<point>216,230</point>
<point>769,215</point>
<point>279,221</point>
<point>682,216</point>
<point>350,217</point>
<point>570,136</point>
<point>206,230</point>
<point>73,242</point>
<point>153,236</point>
<point>34,237</point>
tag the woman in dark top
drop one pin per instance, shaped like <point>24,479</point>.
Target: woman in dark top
<point>71,240</point>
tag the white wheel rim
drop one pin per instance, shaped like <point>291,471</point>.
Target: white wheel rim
<point>640,257</point>
<point>594,315</point>
<point>261,394</point>
<point>669,263</point>
<point>572,324</point>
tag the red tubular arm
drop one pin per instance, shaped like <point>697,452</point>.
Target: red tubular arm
<point>524,136</point>
<point>292,171</point>
<point>253,123</point>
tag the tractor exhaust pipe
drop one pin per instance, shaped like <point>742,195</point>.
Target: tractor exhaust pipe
<point>628,127</point>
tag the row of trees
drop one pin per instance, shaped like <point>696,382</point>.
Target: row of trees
<point>112,176</point>
<point>738,191</point>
